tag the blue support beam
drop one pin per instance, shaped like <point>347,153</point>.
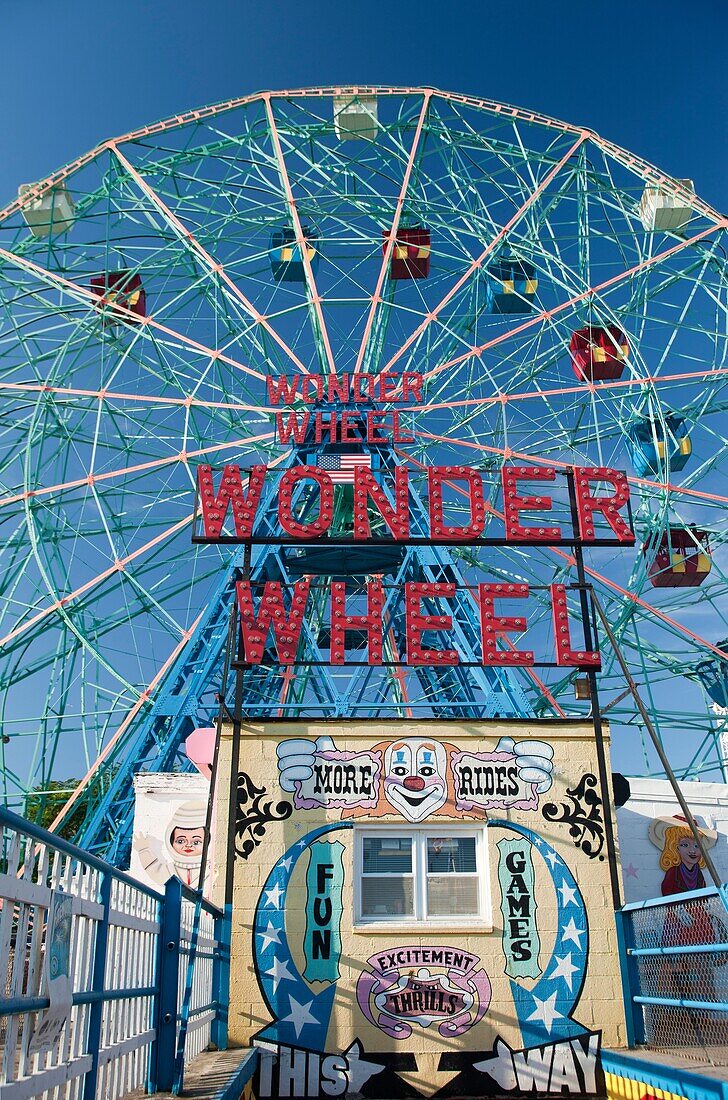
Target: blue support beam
<point>186,697</point>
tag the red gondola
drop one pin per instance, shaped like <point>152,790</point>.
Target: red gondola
<point>410,258</point>
<point>119,288</point>
<point>680,559</point>
<point>598,354</point>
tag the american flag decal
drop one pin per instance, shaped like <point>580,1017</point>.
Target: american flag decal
<point>341,467</point>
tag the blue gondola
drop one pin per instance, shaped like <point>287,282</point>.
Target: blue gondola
<point>713,675</point>
<point>652,442</point>
<point>286,257</point>
<point>511,286</point>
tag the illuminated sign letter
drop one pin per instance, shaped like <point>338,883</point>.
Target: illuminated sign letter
<point>438,528</point>
<point>513,504</point>
<point>315,527</point>
<point>417,623</point>
<point>609,506</point>
<point>491,625</point>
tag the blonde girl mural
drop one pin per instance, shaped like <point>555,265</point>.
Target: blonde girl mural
<point>680,856</point>
<point>681,860</point>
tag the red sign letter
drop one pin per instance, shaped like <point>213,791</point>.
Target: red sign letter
<point>513,504</point>
<point>294,427</point>
<point>565,655</point>
<point>315,527</point>
<point>438,528</point>
<point>397,518</point>
<point>371,622</point>
<point>416,623</point>
<point>491,625</point>
<point>587,504</point>
<point>280,389</point>
<point>255,628</point>
<point>245,504</point>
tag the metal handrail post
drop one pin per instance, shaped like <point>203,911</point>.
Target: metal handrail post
<point>168,971</point>
<point>221,980</point>
<point>628,969</point>
<point>98,980</point>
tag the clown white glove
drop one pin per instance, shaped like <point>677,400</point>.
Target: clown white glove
<point>296,759</point>
<point>534,761</point>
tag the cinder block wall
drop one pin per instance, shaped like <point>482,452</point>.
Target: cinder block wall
<point>539,976</point>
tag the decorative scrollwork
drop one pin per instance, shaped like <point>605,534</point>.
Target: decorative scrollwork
<point>253,813</point>
<point>583,815</point>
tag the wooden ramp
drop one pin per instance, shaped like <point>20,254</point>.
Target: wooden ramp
<point>213,1075</point>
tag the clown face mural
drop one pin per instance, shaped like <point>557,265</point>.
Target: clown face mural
<point>415,777</point>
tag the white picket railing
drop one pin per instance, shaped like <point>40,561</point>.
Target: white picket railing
<point>117,1018</point>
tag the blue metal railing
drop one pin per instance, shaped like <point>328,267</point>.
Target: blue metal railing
<point>112,1023</point>
<point>674,958</point>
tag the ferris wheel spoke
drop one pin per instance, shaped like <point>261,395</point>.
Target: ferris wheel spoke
<point>215,270</point>
<point>142,701</point>
<point>535,459</point>
<point>61,604</point>
<point>128,471</point>
<point>546,315</point>
<point>489,248</point>
<point>86,297</point>
<point>653,612</point>
<point>132,398</point>
<point>313,295</point>
<point>707,375</point>
<point>377,299</point>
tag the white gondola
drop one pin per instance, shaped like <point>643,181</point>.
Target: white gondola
<point>664,211</point>
<point>355,116</point>
<point>52,212</point>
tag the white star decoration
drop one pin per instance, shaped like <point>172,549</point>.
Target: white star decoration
<point>280,973</point>
<point>271,935</point>
<point>273,896</point>
<point>286,863</point>
<point>568,894</point>
<point>546,1012</point>
<point>571,932</point>
<point>299,1015</point>
<point>565,969</point>
<point>359,1070</point>
<point>551,858</point>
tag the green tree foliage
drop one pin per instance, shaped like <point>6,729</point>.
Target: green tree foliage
<point>43,804</point>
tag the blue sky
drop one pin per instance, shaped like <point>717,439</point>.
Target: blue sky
<point>648,74</point>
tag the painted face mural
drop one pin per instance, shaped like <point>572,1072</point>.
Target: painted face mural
<point>188,842</point>
<point>415,777</point>
<point>680,856</point>
<point>415,780</point>
<point>180,851</point>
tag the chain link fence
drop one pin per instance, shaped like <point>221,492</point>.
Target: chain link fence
<point>675,966</point>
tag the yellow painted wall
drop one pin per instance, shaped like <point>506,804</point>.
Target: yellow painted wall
<point>270,824</point>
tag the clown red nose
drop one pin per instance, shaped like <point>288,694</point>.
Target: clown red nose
<point>414,783</point>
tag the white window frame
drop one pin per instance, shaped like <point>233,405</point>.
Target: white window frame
<point>419,834</point>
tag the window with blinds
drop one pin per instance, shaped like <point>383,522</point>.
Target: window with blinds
<point>420,875</point>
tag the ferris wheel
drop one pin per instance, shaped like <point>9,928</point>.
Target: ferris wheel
<point>564,302</point>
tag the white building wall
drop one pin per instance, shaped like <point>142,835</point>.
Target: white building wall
<point>652,798</point>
